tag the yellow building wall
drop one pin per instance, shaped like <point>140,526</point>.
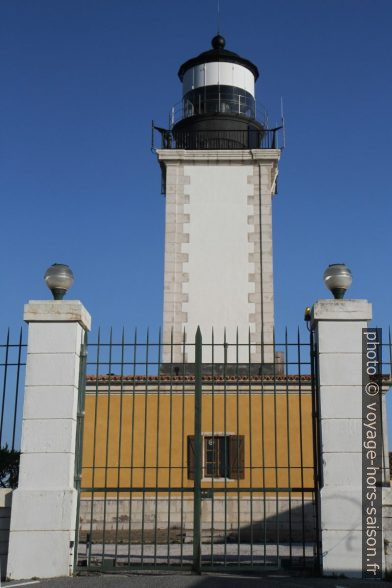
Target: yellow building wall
<point>140,440</point>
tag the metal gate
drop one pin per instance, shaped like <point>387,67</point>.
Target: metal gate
<point>198,455</point>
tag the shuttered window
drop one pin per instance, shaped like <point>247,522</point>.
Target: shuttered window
<point>216,457</point>
<point>237,457</point>
<point>223,457</point>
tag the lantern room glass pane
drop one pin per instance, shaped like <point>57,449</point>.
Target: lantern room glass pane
<point>223,99</point>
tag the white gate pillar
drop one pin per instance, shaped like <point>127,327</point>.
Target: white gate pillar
<point>338,327</point>
<point>43,516</point>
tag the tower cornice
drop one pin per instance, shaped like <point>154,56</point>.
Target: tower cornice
<point>223,155</point>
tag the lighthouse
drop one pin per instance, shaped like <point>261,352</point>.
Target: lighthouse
<point>219,165</point>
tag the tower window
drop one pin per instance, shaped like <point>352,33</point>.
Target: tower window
<point>223,456</point>
<point>216,463</point>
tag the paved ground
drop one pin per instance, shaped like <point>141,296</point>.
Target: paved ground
<point>192,581</point>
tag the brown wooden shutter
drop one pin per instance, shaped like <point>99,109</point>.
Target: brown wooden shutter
<point>191,457</point>
<point>237,457</point>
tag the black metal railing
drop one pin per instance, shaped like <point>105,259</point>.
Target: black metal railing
<point>217,138</point>
<point>385,376</point>
<point>198,455</point>
<point>12,374</point>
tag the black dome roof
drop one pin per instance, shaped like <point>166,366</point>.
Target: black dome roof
<point>217,53</point>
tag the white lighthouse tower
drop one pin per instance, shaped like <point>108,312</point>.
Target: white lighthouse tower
<point>219,166</point>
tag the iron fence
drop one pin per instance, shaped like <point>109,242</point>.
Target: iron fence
<point>12,372</point>
<point>385,356</point>
<point>199,455</point>
<point>192,454</point>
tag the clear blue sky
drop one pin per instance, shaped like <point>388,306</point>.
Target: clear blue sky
<point>80,83</point>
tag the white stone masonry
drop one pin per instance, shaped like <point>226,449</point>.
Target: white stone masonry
<point>218,249</point>
<point>339,325</point>
<point>43,516</point>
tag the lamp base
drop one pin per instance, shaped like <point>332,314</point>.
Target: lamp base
<point>338,293</point>
<point>58,293</point>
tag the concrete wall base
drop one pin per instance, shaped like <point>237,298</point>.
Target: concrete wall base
<point>42,535</point>
<point>5,518</point>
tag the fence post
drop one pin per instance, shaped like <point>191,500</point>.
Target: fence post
<point>43,516</point>
<point>198,455</point>
<point>338,328</point>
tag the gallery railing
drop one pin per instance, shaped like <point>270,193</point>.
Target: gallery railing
<point>216,138</point>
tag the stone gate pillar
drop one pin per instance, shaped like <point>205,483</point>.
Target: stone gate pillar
<point>43,516</point>
<point>338,328</point>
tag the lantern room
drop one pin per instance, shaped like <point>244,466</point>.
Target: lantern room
<point>218,107</point>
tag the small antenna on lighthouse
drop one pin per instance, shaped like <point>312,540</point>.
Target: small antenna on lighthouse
<point>218,16</point>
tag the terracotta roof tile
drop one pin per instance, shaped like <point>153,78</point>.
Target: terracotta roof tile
<point>189,378</point>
